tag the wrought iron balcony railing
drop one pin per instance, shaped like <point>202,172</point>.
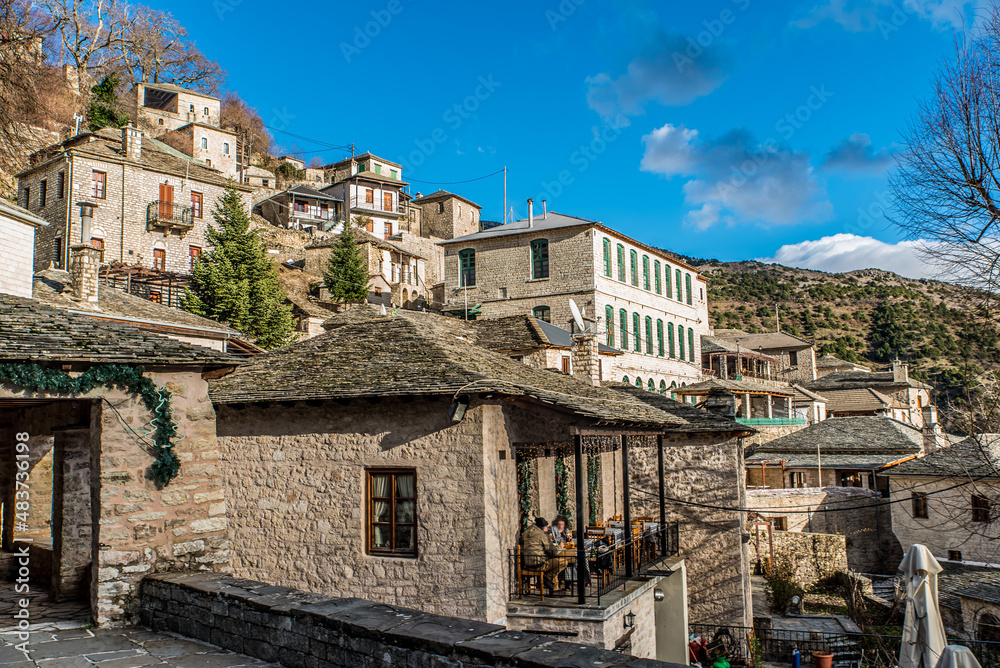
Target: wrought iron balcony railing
<point>169,215</point>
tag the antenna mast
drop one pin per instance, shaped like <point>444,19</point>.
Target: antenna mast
<point>504,195</point>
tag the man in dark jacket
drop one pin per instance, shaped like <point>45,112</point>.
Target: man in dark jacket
<point>539,553</point>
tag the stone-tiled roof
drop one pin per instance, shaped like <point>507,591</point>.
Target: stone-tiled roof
<point>440,195</point>
<point>804,460</point>
<point>736,387</point>
<point>763,340</point>
<point>33,331</point>
<point>12,210</point>
<point>857,401</point>
<point>363,237</point>
<point>974,457</point>
<point>176,89</point>
<point>524,332</point>
<point>828,361</point>
<point>984,591</point>
<point>306,191</point>
<point>802,395</point>
<point>849,435</point>
<point>305,304</point>
<point>364,354</point>
<point>52,286</point>
<point>857,380</point>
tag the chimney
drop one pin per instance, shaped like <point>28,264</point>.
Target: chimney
<point>132,142</point>
<point>531,212</point>
<point>721,403</point>
<point>899,372</point>
<point>934,438</point>
<point>585,359</point>
<point>84,272</point>
<point>545,209</point>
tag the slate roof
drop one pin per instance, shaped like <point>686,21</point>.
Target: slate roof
<point>849,435</point>
<point>33,331</point>
<point>443,194</point>
<point>52,286</point>
<point>973,457</point>
<point>857,401</point>
<point>990,593</point>
<point>20,213</point>
<point>524,332</point>
<point>763,340</point>
<point>828,361</point>
<point>806,396</point>
<point>308,192</point>
<point>363,237</point>
<point>364,354</point>
<point>176,89</point>
<point>859,380</point>
<point>735,386</point>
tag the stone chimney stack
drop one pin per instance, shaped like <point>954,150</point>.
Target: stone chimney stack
<point>900,373</point>
<point>933,436</point>
<point>721,403</point>
<point>585,359</point>
<point>84,272</point>
<point>132,142</point>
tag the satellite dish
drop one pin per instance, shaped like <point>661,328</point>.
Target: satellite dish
<point>577,317</point>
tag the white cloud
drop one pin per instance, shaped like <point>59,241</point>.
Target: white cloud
<point>673,70</point>
<point>735,179</point>
<point>857,155</point>
<point>848,252</point>
<point>888,15</point>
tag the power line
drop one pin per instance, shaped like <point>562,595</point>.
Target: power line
<point>454,183</point>
<point>344,147</point>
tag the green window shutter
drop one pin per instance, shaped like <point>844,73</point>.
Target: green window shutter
<point>467,267</point>
<point>607,258</point>
<point>638,383</point>
<point>633,263</point>
<point>687,283</point>
<point>649,335</point>
<point>621,263</point>
<point>609,317</point>
<point>680,290</point>
<point>625,380</point>
<point>636,334</point>
<point>663,388</point>
<point>540,258</point>
<point>645,272</point>
<point>656,276</point>
<point>666,275</point>
<point>690,344</point>
<point>670,338</point>
<point>659,338</point>
<point>623,327</point>
<point>543,313</point>
<point>680,340</point>
<point>651,385</point>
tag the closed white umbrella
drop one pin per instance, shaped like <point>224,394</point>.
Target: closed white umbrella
<point>957,656</point>
<point>923,632</point>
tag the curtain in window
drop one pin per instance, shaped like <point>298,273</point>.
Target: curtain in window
<point>381,510</point>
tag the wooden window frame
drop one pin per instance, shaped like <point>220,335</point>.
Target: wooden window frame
<point>687,284</point>
<point>565,363</point>
<point>99,186</point>
<point>670,340</point>
<point>43,192</point>
<point>633,265</point>
<point>620,250</point>
<point>543,313</point>
<point>680,342</point>
<point>645,272</point>
<point>609,315</point>
<point>61,184</point>
<point>539,259</point>
<point>369,196</point>
<point>466,263</point>
<point>194,252</point>
<point>657,285</point>
<point>369,509</point>
<point>680,288</point>
<point>160,254</point>
<point>981,509</point>
<point>918,505</point>
<point>607,257</point>
<point>659,338</point>
<point>636,333</point>
<point>649,335</point>
<point>668,283</point>
<point>197,204</point>
<point>623,327</point>
<point>690,344</point>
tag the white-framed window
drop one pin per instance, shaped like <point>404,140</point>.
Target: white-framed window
<point>204,142</point>
<point>225,148</point>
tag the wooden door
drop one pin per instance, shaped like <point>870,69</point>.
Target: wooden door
<point>166,201</point>
<point>387,201</point>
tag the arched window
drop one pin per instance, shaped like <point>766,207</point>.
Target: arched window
<point>540,258</point>
<point>663,388</point>
<point>623,327</point>
<point>633,263</point>
<point>609,323</point>
<point>651,386</point>
<point>467,267</point>
<point>680,340</point>
<point>649,336</point>
<point>988,628</point>
<point>621,263</point>
<point>673,386</point>
<point>659,338</point>
<point>690,344</point>
<point>670,338</point>
<point>625,380</point>
<point>543,313</point>
<point>638,383</point>
<point>645,272</point>
<point>607,257</point>
<point>680,288</point>
<point>656,277</point>
<point>636,334</point>
<point>687,284</point>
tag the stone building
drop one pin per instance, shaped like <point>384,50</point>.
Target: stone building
<point>301,208</point>
<point>17,230</point>
<point>643,301</point>
<point>373,192</point>
<point>828,364</point>
<point>212,146</point>
<point>162,107</point>
<point>446,215</point>
<point>463,444</point>
<point>796,356</point>
<point>150,203</point>
<point>111,523</point>
<point>765,405</point>
<point>891,393</point>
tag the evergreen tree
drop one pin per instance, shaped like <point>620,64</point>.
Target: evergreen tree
<point>104,110</point>
<point>346,276</point>
<point>236,282</point>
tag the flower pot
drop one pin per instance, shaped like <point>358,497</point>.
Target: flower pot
<point>823,659</point>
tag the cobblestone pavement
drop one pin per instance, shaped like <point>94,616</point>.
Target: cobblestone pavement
<point>117,648</point>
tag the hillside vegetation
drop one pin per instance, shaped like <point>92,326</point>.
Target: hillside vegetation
<point>869,316</point>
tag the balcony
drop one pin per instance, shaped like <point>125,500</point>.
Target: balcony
<point>378,206</point>
<point>170,216</point>
<point>771,422</point>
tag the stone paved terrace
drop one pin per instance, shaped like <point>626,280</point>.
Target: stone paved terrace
<point>118,648</point>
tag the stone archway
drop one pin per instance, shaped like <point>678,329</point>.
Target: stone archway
<point>988,628</point>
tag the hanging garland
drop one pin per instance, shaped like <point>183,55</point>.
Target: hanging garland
<point>593,478</point>
<point>36,378</point>
<point>562,491</point>
<point>524,485</point>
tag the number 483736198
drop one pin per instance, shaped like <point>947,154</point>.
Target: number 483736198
<point>23,494</point>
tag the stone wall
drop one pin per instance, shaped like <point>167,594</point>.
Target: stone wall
<point>16,254</point>
<point>294,628</point>
<point>767,433</point>
<point>814,556</point>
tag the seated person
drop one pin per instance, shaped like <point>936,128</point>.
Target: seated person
<point>538,552</point>
<point>558,531</point>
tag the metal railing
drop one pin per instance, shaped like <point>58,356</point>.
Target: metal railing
<point>377,205</point>
<point>317,214</point>
<point>168,214</point>
<point>848,649</point>
<point>771,422</point>
<point>609,565</point>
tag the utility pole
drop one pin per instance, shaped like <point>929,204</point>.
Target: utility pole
<point>777,322</point>
<point>504,222</point>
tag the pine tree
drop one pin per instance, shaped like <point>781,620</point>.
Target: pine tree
<point>346,276</point>
<point>104,110</point>
<point>236,282</point>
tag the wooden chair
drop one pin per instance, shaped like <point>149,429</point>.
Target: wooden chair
<point>525,575</point>
<point>596,532</point>
<point>616,518</point>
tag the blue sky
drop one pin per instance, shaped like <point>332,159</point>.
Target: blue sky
<point>734,129</point>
